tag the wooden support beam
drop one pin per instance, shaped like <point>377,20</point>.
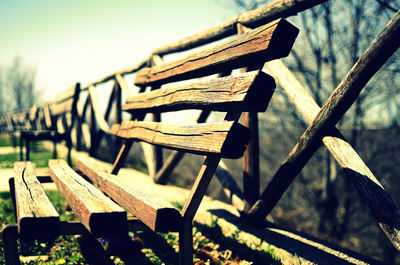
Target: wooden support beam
<point>98,213</point>
<point>94,100</point>
<point>123,85</point>
<point>200,186</point>
<point>338,103</point>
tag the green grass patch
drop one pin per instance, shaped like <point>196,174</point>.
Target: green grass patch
<point>40,158</point>
<point>6,140</point>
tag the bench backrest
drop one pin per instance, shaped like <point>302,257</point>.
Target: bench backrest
<point>60,113</point>
<point>232,94</point>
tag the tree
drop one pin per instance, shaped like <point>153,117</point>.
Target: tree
<point>332,37</point>
<point>20,81</point>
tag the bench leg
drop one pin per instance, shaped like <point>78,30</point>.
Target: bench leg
<point>186,244</point>
<point>54,149</point>
<point>12,195</point>
<point>21,149</point>
<point>10,235</point>
<point>69,146</point>
<point>28,149</point>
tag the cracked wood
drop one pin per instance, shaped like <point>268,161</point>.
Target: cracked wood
<point>246,92</point>
<point>226,138</point>
<point>98,213</point>
<point>36,216</point>
<point>265,43</point>
<point>151,210</point>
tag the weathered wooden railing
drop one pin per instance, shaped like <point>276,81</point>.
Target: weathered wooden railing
<point>91,123</point>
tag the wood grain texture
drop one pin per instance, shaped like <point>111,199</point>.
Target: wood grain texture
<point>225,138</point>
<point>268,42</point>
<point>371,190</point>
<point>247,92</point>
<point>36,216</point>
<point>151,210</point>
<point>101,216</point>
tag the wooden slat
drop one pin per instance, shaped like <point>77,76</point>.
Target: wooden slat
<point>101,216</point>
<point>151,210</point>
<point>248,91</point>
<point>268,42</point>
<point>94,100</point>
<point>36,216</point>
<point>225,138</point>
<point>61,108</point>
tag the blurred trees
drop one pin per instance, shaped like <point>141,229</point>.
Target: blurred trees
<point>18,86</point>
<point>332,37</point>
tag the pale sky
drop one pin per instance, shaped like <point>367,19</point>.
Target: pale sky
<point>70,41</point>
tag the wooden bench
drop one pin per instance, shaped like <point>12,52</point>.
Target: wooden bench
<point>232,94</point>
<point>51,121</point>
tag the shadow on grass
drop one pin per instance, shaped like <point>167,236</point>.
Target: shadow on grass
<point>238,248</point>
<point>297,243</point>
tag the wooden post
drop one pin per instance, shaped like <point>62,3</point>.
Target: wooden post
<point>186,243</point>
<point>251,157</point>
<point>93,133</point>
<point>251,160</point>
<point>10,236</point>
<point>118,110</point>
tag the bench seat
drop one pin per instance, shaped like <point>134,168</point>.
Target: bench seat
<point>157,214</point>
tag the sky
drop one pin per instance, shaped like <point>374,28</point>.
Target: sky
<point>81,41</point>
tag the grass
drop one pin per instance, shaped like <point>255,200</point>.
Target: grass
<point>209,243</point>
<point>5,140</point>
<point>40,158</point>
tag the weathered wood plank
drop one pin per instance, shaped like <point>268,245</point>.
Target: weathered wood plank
<point>151,210</point>
<point>175,157</point>
<point>338,103</point>
<point>247,91</point>
<point>225,138</point>
<point>101,216</point>
<point>268,42</point>
<point>36,216</point>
